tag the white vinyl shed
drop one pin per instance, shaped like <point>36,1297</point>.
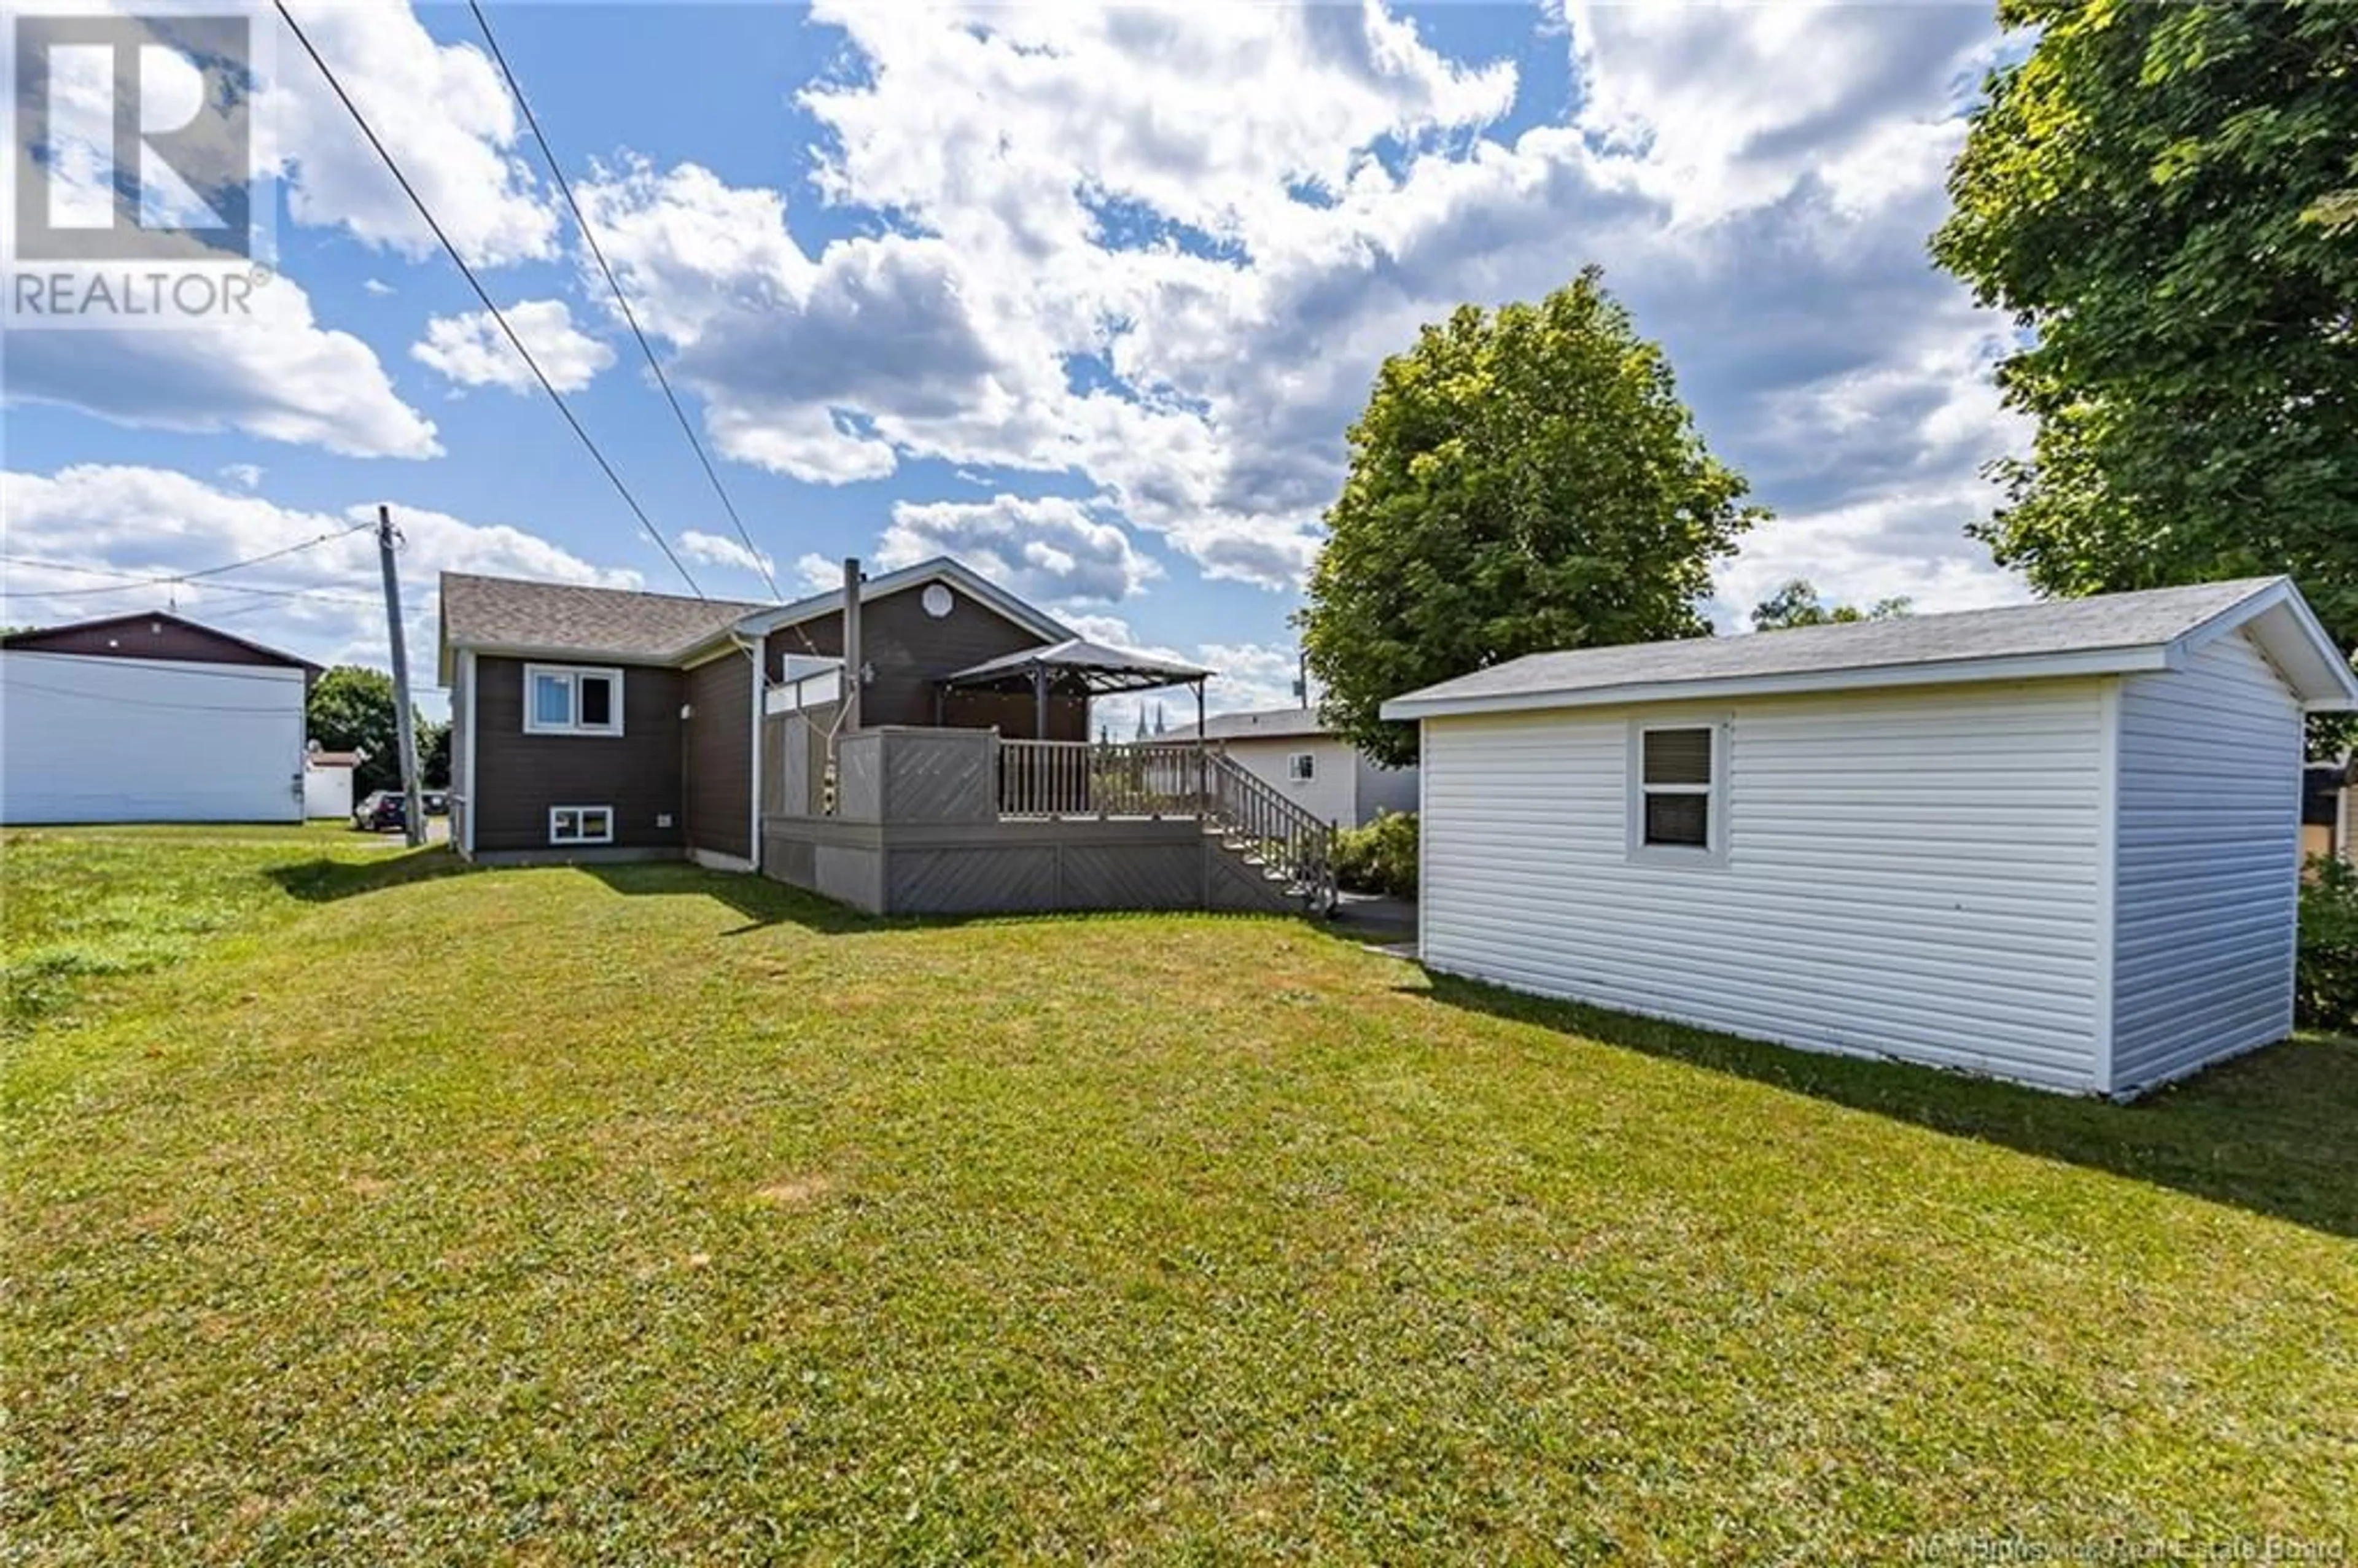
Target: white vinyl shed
<point>2056,843</point>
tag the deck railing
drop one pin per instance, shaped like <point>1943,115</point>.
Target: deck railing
<point>1077,778</point>
<point>1290,839</point>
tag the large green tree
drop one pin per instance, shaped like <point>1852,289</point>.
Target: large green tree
<point>1796,603</point>
<point>1523,480</point>
<point>2167,197</point>
<point>433,754</point>
<point>352,710</point>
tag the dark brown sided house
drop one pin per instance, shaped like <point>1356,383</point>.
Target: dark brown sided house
<point>955,776</point>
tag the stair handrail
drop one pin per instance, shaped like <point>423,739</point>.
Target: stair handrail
<point>1294,840</point>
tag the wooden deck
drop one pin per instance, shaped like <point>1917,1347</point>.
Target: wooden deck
<point>1016,866</point>
<point>917,825</point>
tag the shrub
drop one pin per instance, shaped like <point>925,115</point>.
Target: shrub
<point>1380,856</point>
<point>2326,982</point>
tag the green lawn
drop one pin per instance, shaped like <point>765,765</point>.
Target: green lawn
<point>357,1212</point>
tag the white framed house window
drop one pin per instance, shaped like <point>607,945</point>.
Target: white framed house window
<point>1301,767</point>
<point>572,699</point>
<point>580,824</point>
<point>1678,790</point>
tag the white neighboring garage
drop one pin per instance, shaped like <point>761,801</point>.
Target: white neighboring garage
<point>149,718</point>
<point>2058,843</point>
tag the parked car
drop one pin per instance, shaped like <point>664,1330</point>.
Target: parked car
<point>437,802</point>
<point>384,811</point>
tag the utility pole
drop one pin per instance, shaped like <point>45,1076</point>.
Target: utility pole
<point>413,817</point>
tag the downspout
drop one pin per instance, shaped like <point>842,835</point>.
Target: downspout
<point>855,656</point>
<point>848,682</point>
<point>754,648</point>
<point>475,785</point>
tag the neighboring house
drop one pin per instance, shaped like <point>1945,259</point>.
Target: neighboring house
<point>328,782</point>
<point>2056,843</point>
<point>955,775</point>
<point>149,717</point>
<point>2325,811</point>
<point>1290,750</point>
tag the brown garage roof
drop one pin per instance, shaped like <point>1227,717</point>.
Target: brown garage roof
<point>566,618</point>
<point>152,634</point>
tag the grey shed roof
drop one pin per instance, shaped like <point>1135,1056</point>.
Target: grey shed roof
<point>2107,634</point>
<point>506,613</point>
<point>1272,723</point>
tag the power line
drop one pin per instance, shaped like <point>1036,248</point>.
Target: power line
<point>481,293</point>
<point>214,613</point>
<point>687,428</point>
<point>132,580</point>
<point>176,577</point>
<point>140,702</point>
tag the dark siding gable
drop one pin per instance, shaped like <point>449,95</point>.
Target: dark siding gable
<point>520,776</point>
<point>909,650</point>
<point>151,636</point>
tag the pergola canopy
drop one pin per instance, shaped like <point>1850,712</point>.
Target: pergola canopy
<point>1075,667</point>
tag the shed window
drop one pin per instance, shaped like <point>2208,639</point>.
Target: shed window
<point>569,699</point>
<point>580,824</point>
<point>1675,783</point>
<point>1301,767</point>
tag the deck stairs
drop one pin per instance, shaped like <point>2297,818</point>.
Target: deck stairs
<point>1271,853</point>
<point>1263,834</point>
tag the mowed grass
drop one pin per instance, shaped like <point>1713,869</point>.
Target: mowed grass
<point>84,904</point>
<point>651,1215</point>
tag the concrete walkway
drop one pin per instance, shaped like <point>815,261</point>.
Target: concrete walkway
<point>1385,924</point>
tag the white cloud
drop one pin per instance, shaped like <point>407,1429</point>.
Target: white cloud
<point>246,476</point>
<point>473,351</point>
<point>1848,553</point>
<point>712,550</point>
<point>1166,252</point>
<point>1049,549</point>
<point>266,367</point>
<point>276,373</point>
<point>956,343</point>
<point>818,573</point>
<point>1247,677</point>
<point>1110,629</point>
<point>443,112</point>
<point>145,523</point>
<point>1251,676</point>
<point>1716,108</point>
<point>1159,255</point>
<point>377,286</point>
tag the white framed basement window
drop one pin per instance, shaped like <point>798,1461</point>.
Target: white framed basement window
<point>1301,767</point>
<point>580,824</point>
<point>572,699</point>
<point>1678,790</point>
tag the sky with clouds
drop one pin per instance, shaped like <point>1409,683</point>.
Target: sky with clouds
<point>1084,298</point>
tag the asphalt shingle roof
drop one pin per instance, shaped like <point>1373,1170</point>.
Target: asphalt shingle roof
<point>556,617</point>
<point>2115,621</point>
<point>1275,723</point>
